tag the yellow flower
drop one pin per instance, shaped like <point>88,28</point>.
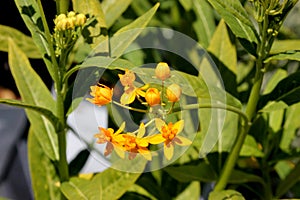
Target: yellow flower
<point>162,71</point>
<point>102,95</point>
<point>173,92</point>
<point>127,79</point>
<point>131,92</point>
<point>80,19</point>
<point>169,135</point>
<point>112,139</point>
<point>152,96</point>
<point>137,144</point>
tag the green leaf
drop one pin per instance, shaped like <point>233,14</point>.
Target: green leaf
<point>274,80</point>
<point>126,35</point>
<point>32,17</point>
<point>33,91</point>
<point>226,195</point>
<point>287,90</point>
<point>284,56</point>
<point>191,192</point>
<point>204,26</point>
<point>187,173</point>
<point>109,184</point>
<point>250,148</point>
<point>23,41</point>
<point>140,190</point>
<point>223,52</point>
<point>42,111</point>
<point>239,177</point>
<point>45,181</point>
<point>274,106</point>
<point>186,4</point>
<point>93,8</point>
<point>237,19</point>
<point>113,9</point>
<point>280,46</point>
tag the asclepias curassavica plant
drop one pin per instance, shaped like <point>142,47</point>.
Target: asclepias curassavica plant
<point>256,155</point>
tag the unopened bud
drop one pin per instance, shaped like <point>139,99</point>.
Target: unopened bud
<point>162,71</point>
<point>173,92</point>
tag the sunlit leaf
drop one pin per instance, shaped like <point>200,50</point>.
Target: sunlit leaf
<point>284,56</point>
<point>191,192</point>
<point>226,194</point>
<point>33,91</point>
<point>280,46</point>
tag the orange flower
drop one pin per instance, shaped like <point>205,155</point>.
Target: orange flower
<point>102,95</point>
<point>137,144</point>
<point>127,79</point>
<point>173,92</point>
<point>169,135</point>
<point>112,139</point>
<point>162,71</point>
<point>152,96</point>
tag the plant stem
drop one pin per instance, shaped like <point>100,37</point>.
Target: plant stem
<point>250,110</point>
<point>62,6</point>
<point>130,108</point>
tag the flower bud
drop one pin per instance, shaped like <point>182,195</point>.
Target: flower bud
<point>80,19</point>
<point>162,71</point>
<point>59,18</point>
<point>71,14</point>
<point>152,96</point>
<point>173,92</point>
<point>102,95</point>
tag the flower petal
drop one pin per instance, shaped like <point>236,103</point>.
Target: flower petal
<point>120,152</point>
<point>121,129</point>
<point>127,98</point>
<point>146,154</point>
<point>169,151</point>
<point>155,139</point>
<point>159,123</point>
<point>182,141</point>
<point>142,130</point>
<point>109,148</point>
<point>179,126</point>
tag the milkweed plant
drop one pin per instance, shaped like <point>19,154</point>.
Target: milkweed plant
<point>203,105</point>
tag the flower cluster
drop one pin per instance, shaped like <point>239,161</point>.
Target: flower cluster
<point>138,142</point>
<point>67,30</point>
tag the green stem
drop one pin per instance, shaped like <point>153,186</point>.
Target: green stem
<point>250,111</point>
<point>130,108</point>
<point>62,6</point>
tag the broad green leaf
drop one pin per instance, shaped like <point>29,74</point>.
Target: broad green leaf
<point>274,106</point>
<point>93,8</point>
<point>283,168</point>
<point>250,148</point>
<point>274,80</point>
<point>23,41</point>
<point>126,35</point>
<point>140,190</point>
<point>237,19</point>
<point>226,195</point>
<point>32,17</point>
<point>223,52</point>
<point>290,127</point>
<point>287,90</point>
<point>42,111</point>
<point>192,192</point>
<point>205,24</point>
<point>113,9</point>
<point>280,46</point>
<point>188,173</point>
<point>186,4</point>
<point>284,56</point>
<point>239,177</point>
<point>45,181</point>
<point>109,184</point>
<point>33,91</point>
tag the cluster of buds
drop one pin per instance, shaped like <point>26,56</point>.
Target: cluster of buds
<point>67,30</point>
<point>136,142</point>
<point>70,21</point>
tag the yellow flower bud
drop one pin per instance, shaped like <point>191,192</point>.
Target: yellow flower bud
<point>162,71</point>
<point>152,96</point>
<point>80,19</point>
<point>71,14</point>
<point>173,92</point>
<point>102,95</point>
<point>59,18</point>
